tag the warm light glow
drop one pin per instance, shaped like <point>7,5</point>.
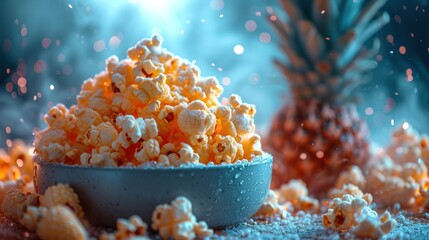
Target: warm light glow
<point>405,125</point>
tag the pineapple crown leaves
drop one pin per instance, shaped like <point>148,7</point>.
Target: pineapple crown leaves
<point>323,41</point>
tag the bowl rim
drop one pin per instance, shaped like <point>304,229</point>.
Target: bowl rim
<point>257,160</point>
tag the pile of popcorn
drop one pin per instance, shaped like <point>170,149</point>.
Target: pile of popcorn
<point>399,176</point>
<point>151,107</point>
<point>57,214</point>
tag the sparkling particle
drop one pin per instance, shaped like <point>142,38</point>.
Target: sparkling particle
<point>389,39</point>
<point>99,46</point>
<point>219,69</point>
<point>70,6</point>
<point>8,130</point>
<point>397,18</point>
<point>22,82</point>
<point>250,25</point>
<point>114,41</point>
<point>402,50</point>
<point>19,163</point>
<point>369,111</point>
<point>52,87</point>
<point>322,12</point>
<point>9,143</point>
<point>226,81</point>
<point>392,122</point>
<point>409,73</point>
<point>39,66</point>
<point>9,87</point>
<point>224,101</point>
<point>58,42</point>
<point>7,70</point>
<point>238,49</point>
<point>265,37</point>
<point>46,42</point>
<point>258,14</point>
<point>303,156</point>
<point>320,154</point>
<point>273,18</point>
<point>23,30</point>
<point>221,16</point>
<point>405,125</point>
<point>61,57</point>
<point>203,20</point>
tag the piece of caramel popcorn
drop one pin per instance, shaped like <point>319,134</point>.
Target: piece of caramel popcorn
<point>132,228</point>
<point>270,206</point>
<point>226,149</point>
<point>296,193</point>
<point>17,201</point>
<point>351,190</point>
<point>352,176</point>
<point>62,194</point>
<point>177,221</point>
<point>196,118</point>
<point>344,212</point>
<point>59,222</point>
<point>372,226</point>
<point>152,95</point>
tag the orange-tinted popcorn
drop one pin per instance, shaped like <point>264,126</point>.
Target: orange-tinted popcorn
<point>101,135</point>
<point>373,226</point>
<point>62,194</point>
<point>127,113</point>
<point>392,183</point>
<point>59,222</point>
<point>352,176</point>
<point>16,202</point>
<point>351,190</point>
<point>177,221</point>
<point>149,151</point>
<point>32,216</point>
<point>5,187</point>
<point>296,193</point>
<point>270,206</point>
<point>132,228</point>
<point>226,149</point>
<point>344,212</point>
<point>196,118</point>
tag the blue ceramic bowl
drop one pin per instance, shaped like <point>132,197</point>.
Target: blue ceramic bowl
<point>221,195</point>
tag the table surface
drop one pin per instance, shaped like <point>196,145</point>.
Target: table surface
<point>304,226</point>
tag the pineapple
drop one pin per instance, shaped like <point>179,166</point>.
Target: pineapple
<point>318,133</point>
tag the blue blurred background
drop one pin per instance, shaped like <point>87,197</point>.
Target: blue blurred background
<point>49,47</point>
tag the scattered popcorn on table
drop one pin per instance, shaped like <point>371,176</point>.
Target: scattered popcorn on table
<point>296,193</point>
<point>129,112</point>
<point>351,190</point>
<point>17,201</point>
<point>59,222</point>
<point>343,212</point>
<point>62,194</point>
<point>177,221</point>
<point>270,206</point>
<point>373,226</point>
<point>353,176</point>
<point>133,228</point>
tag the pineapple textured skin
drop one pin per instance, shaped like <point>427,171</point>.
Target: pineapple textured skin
<point>318,133</point>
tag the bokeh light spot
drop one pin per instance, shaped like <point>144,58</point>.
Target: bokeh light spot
<point>265,37</point>
<point>250,25</point>
<point>46,42</point>
<point>226,81</point>
<point>238,49</point>
<point>99,46</point>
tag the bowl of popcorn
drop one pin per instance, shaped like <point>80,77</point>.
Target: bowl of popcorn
<point>147,130</point>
